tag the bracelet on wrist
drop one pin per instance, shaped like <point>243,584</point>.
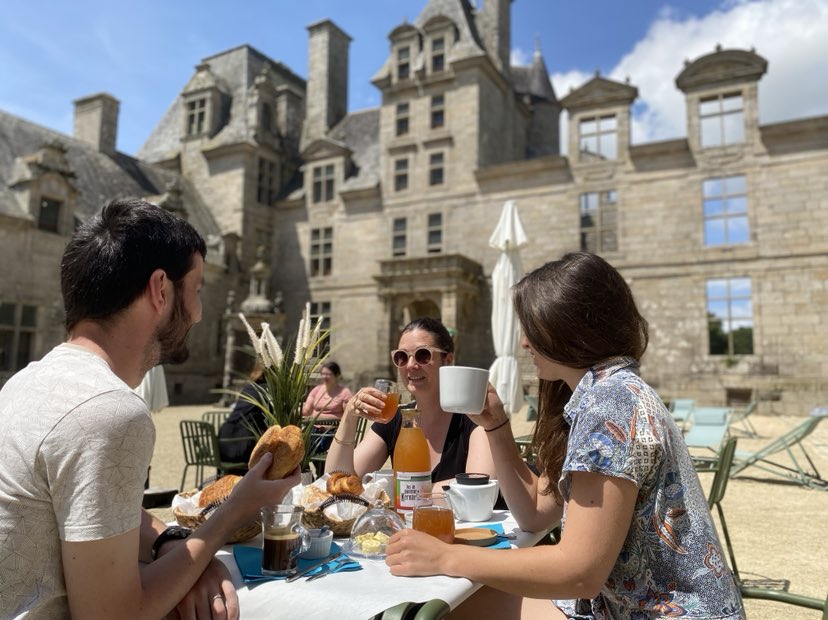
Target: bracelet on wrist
<point>343,442</point>
<point>491,430</point>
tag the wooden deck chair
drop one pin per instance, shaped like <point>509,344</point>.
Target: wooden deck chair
<point>789,443</point>
<point>717,493</point>
<point>740,422</point>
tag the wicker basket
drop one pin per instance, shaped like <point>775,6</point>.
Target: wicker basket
<point>317,518</point>
<point>245,532</point>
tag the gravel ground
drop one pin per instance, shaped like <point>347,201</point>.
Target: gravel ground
<point>778,529</point>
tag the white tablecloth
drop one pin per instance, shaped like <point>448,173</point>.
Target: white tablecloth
<point>360,594</point>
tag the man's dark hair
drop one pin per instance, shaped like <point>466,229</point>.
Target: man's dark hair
<point>109,260</point>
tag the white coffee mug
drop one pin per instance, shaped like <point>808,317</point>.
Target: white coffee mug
<point>383,477</point>
<point>472,502</point>
<point>463,389</point>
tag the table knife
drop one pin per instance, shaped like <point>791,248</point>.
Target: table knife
<point>305,571</point>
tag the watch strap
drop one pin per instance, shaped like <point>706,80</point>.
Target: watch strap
<point>174,532</point>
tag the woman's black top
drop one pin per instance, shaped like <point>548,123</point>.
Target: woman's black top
<point>455,447</point>
<point>246,421</point>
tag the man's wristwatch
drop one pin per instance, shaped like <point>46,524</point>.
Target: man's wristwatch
<point>174,532</point>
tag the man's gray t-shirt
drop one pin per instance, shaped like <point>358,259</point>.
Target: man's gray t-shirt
<point>76,444</point>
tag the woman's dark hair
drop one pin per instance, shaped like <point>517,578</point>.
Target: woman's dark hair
<point>442,337</point>
<point>109,260</point>
<point>333,367</point>
<point>577,311</point>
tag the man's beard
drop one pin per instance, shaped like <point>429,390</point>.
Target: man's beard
<point>171,338</point>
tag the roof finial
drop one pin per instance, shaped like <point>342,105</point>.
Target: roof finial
<point>537,45</point>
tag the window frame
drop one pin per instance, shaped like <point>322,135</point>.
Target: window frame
<point>729,213</point>
<point>597,135</point>
<point>49,206</point>
<point>434,227</point>
<point>605,224</point>
<point>729,300</point>
<point>323,186</point>
<point>14,333</point>
<point>402,119</point>
<point>266,181</point>
<point>403,64</point>
<point>196,116</point>
<point>722,118</point>
<point>401,173</point>
<point>437,111</point>
<point>322,309</point>
<point>437,168</point>
<point>438,56</point>
<point>399,237</point>
<point>321,252</point>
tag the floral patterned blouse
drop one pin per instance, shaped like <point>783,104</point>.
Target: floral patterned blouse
<point>671,563</point>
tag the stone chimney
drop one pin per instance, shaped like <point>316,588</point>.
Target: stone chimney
<point>495,26</point>
<point>326,99</point>
<point>96,121</point>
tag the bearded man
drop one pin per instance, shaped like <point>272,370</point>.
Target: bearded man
<point>77,441</point>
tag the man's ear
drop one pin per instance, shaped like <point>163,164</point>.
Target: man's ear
<point>158,289</point>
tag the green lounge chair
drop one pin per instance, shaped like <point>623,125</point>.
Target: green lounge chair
<point>791,444</point>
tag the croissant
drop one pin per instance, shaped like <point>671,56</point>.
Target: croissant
<point>341,482</point>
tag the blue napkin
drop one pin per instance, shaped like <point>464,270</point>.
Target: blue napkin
<point>249,561</point>
<point>502,543</point>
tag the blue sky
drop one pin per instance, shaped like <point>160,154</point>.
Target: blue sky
<point>52,52</point>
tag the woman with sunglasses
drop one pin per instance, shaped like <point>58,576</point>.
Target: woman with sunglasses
<point>638,540</point>
<point>456,444</point>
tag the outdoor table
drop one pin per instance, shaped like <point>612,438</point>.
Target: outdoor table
<point>357,594</point>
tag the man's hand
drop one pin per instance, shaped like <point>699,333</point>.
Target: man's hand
<point>213,597</point>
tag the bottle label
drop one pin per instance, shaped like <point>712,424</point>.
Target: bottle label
<point>410,487</point>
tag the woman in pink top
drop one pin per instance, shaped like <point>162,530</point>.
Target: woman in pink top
<point>327,400</point>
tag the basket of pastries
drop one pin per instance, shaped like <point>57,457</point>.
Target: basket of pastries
<point>337,500</point>
<point>192,508</point>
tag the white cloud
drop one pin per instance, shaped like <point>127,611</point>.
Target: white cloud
<point>519,57</point>
<point>792,35</point>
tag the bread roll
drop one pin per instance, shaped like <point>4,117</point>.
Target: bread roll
<point>216,492</point>
<point>287,447</point>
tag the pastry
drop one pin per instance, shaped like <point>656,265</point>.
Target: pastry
<point>287,447</point>
<point>218,491</point>
<point>341,482</point>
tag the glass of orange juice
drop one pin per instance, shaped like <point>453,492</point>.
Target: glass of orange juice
<point>433,515</point>
<point>392,399</point>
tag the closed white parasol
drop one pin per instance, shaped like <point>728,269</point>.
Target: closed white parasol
<point>508,237</point>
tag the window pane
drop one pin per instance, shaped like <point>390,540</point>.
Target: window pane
<point>712,187</point>
<point>736,184</point>
<point>717,338</point>
<point>6,338</point>
<point>716,288</point>
<point>608,123</point>
<point>435,219</point>
<point>28,318</point>
<point>589,144</point>
<point>711,131</point>
<point>401,164</point>
<point>434,237</point>
<point>737,230</point>
<point>24,349</point>
<point>740,287</point>
<point>713,206</point>
<point>589,126</point>
<point>709,106</point>
<point>717,308</point>
<point>399,224</point>
<point>608,145</point>
<point>49,215</point>
<point>731,102</point>
<point>7,314</point>
<point>737,204</point>
<point>714,232</point>
<point>741,309</point>
<point>734,128</point>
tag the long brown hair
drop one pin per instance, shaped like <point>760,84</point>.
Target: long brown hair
<point>577,311</point>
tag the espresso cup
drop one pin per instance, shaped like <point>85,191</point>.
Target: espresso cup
<point>463,389</point>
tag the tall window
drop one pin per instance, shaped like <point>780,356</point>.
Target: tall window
<point>18,323</point>
<point>730,316</point>
<point>598,138</point>
<point>435,169</point>
<point>49,215</point>
<point>722,120</point>
<point>196,116</point>
<point>402,119</point>
<point>323,183</point>
<point>434,243</point>
<point>403,63</point>
<point>267,117</point>
<point>400,174</point>
<point>321,251</point>
<point>438,54</point>
<point>322,310</point>
<point>599,221</point>
<point>266,182</point>
<point>399,238</point>
<point>438,111</point>
<point>725,210</point>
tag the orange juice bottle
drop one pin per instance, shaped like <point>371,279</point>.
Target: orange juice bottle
<point>412,463</point>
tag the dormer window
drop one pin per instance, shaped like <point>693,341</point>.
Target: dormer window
<point>438,55</point>
<point>196,116</point>
<point>49,215</point>
<point>403,63</point>
<point>722,120</point>
<point>598,137</point>
<point>323,183</point>
<point>266,121</point>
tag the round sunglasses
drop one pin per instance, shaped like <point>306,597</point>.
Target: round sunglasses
<point>423,356</point>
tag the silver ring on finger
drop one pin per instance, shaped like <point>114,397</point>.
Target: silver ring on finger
<point>217,596</point>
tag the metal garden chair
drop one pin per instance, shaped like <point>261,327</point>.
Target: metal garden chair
<point>216,418</point>
<point>320,455</point>
<point>717,493</point>
<point>740,417</point>
<point>791,444</point>
<point>435,609</point>
<point>707,430</point>
<point>200,443</point>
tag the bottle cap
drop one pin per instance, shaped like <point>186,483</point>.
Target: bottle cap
<point>472,479</point>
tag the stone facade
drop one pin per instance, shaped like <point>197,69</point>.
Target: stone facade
<point>382,215</point>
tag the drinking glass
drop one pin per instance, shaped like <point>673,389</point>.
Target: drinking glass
<point>433,515</point>
<point>392,400</point>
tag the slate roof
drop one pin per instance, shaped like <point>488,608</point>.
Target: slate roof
<point>533,79</point>
<point>359,132</point>
<point>98,177</point>
<point>235,70</point>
